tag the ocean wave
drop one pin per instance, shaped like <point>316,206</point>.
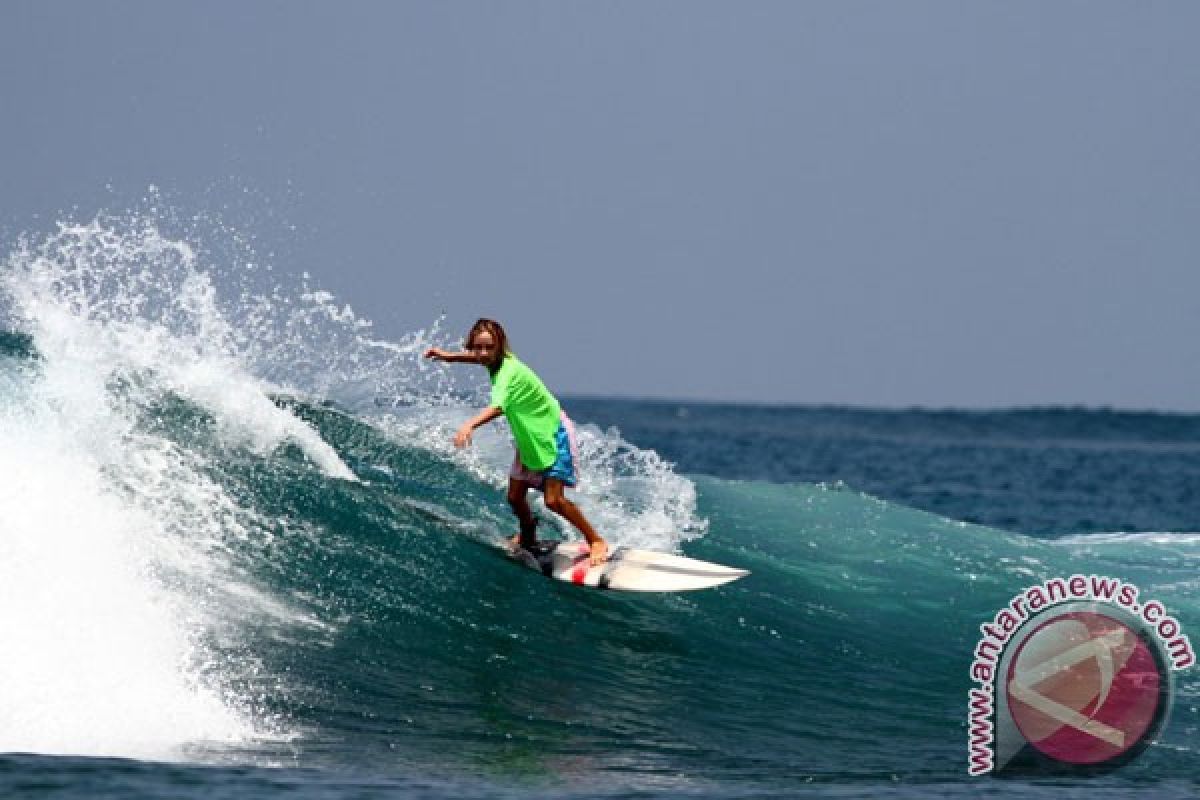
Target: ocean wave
<point>211,551</point>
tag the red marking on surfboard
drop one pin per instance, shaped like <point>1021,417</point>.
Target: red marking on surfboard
<point>581,569</point>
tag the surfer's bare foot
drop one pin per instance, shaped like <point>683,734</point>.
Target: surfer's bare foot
<point>599,552</point>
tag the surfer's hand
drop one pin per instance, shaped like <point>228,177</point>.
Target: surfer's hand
<point>436,353</point>
<point>463,437</point>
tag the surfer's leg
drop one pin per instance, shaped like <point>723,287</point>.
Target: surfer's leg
<point>517,489</point>
<point>557,502</point>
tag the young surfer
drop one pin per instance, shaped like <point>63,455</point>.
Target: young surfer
<point>543,433</point>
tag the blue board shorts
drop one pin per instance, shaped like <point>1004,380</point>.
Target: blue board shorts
<point>562,469</point>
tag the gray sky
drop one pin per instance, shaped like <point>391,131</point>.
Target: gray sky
<point>877,203</point>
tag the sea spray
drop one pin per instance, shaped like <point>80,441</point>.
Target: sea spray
<point>102,647</point>
<point>115,536</point>
<point>141,424</point>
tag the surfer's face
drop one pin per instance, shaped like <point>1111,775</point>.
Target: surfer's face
<point>483,346</point>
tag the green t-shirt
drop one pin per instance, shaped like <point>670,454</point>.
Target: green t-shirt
<point>532,412</point>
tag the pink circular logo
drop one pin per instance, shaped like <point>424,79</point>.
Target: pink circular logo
<point>1084,688</point>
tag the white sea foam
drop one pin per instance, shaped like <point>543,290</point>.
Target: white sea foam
<point>114,541</point>
<point>1148,537</point>
<point>99,657</point>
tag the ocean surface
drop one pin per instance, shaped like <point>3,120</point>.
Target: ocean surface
<point>239,558</point>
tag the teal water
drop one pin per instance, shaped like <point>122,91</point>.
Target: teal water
<point>228,573</point>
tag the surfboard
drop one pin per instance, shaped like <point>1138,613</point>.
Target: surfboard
<point>626,569</point>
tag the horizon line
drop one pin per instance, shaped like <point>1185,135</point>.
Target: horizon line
<point>870,408</point>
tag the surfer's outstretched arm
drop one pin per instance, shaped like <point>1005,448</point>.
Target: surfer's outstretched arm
<point>463,437</point>
<point>438,354</point>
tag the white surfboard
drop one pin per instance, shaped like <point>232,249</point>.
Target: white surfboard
<point>626,569</point>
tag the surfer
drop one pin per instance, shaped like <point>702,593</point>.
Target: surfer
<point>545,437</point>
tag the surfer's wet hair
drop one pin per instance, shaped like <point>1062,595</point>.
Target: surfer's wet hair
<point>492,327</point>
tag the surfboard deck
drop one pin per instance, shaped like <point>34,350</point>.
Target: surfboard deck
<point>626,569</point>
